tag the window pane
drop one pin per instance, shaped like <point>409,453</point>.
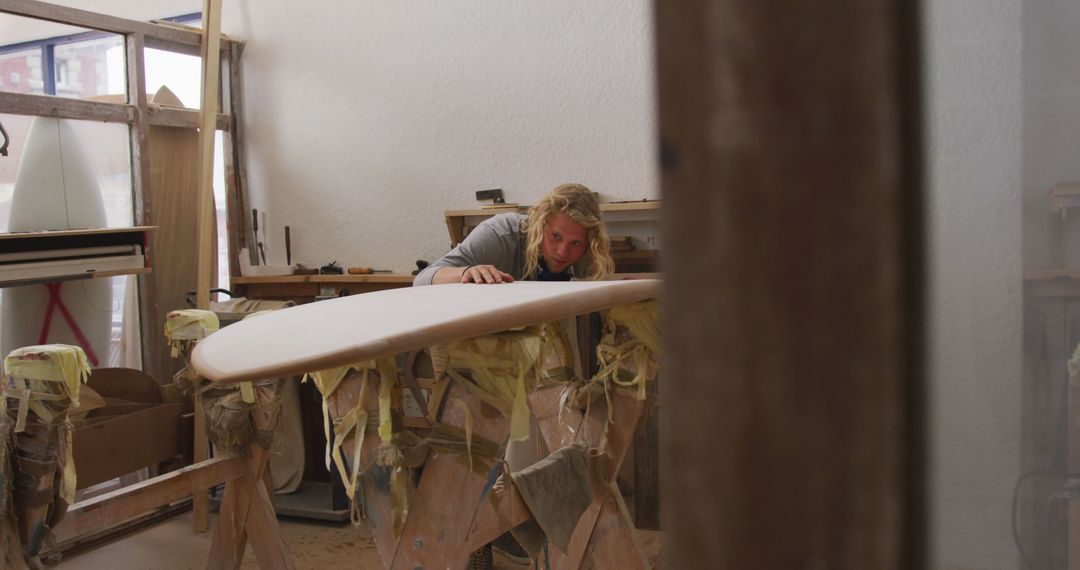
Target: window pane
<point>21,52</point>
<point>222,213</point>
<point>181,73</point>
<point>17,127</point>
<point>105,148</point>
<point>90,68</point>
<point>20,72</point>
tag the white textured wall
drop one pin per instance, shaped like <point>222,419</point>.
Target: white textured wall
<point>1051,124</point>
<point>973,57</point>
<point>365,120</point>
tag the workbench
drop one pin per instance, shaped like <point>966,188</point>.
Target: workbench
<point>304,288</point>
<point>62,255</point>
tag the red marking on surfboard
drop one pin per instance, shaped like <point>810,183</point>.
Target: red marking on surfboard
<point>55,303</point>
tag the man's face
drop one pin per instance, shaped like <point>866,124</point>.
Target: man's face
<point>565,241</point>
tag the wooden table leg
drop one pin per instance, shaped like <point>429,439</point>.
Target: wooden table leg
<point>200,500</point>
<point>605,530</point>
<point>614,544</point>
<point>375,482</point>
<point>449,495</point>
<point>35,460</point>
<point>247,509</point>
<point>247,513</point>
<point>230,533</point>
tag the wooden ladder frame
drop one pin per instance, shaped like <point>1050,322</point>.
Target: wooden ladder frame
<point>246,515</point>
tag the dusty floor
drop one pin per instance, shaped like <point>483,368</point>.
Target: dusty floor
<point>171,545</point>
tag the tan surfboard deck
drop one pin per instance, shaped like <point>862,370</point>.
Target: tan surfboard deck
<point>343,331</point>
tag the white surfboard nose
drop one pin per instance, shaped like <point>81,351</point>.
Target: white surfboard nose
<point>55,188</point>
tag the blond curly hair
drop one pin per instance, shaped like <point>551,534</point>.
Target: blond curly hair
<point>580,205</point>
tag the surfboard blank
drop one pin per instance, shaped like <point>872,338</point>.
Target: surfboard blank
<point>341,331</point>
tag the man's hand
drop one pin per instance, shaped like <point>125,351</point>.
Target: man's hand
<point>485,274</point>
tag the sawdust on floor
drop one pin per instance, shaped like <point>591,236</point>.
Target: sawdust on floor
<point>173,545</point>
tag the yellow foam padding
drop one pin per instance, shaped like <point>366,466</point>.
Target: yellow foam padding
<point>399,498</point>
<point>557,348</point>
<point>642,321</point>
<point>1074,362</point>
<point>51,363</point>
<point>50,372</point>
<point>464,408</point>
<point>500,364</point>
<point>189,324</point>
<point>355,421</point>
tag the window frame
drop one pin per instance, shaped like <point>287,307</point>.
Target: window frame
<point>169,35</point>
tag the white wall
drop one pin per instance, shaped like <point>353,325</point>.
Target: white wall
<point>365,120</point>
<point>1051,124</point>
<point>973,86</point>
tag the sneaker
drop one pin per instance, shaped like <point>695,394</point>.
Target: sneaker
<point>480,559</point>
<point>509,547</point>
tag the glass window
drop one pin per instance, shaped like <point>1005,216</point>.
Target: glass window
<point>222,214</point>
<point>90,68</point>
<point>17,127</point>
<point>47,58</point>
<point>181,73</point>
<point>20,72</point>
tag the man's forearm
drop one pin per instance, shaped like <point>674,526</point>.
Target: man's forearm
<point>447,275</point>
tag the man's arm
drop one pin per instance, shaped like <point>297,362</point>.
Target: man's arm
<point>471,274</point>
<point>475,260</point>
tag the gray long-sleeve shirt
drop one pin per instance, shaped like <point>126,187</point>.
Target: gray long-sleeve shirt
<point>497,241</point>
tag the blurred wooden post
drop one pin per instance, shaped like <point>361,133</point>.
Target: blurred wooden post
<point>211,55</point>
<point>792,230</point>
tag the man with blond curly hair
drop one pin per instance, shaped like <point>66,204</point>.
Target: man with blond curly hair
<point>561,238</point>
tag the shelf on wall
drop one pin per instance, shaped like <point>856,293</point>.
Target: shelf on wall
<point>62,255</point>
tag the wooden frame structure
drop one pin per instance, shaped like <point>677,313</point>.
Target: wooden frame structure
<point>246,515</point>
<point>139,116</point>
<point>783,92</point>
<point>443,527</point>
<point>439,518</point>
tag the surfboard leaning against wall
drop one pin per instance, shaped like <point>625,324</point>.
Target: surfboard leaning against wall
<point>55,189</point>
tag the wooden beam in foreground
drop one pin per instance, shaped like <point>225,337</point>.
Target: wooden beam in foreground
<point>793,284</point>
<point>82,109</point>
<point>65,108</point>
<point>120,505</point>
<point>211,62</point>
<point>95,21</point>
<point>184,118</point>
<point>211,68</point>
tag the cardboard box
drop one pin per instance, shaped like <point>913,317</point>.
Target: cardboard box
<point>124,439</point>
